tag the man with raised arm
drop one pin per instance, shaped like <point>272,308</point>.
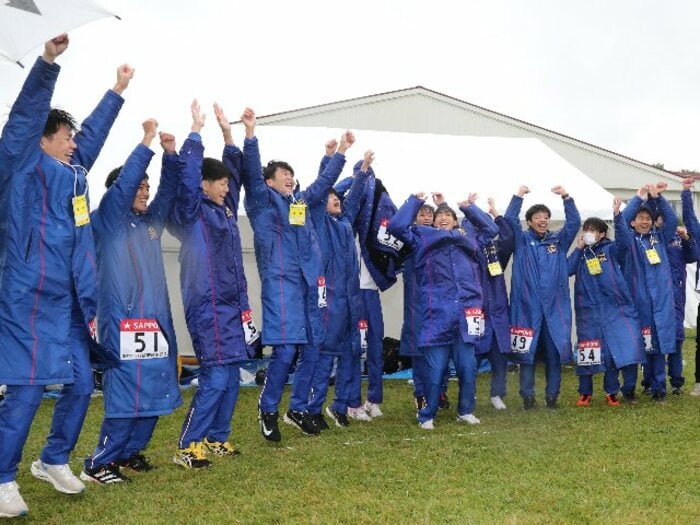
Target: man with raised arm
<point>47,271</point>
<point>134,310</point>
<point>291,275</point>
<point>540,306</point>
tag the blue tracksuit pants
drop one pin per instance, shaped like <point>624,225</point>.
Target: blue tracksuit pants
<point>277,372</point>
<point>121,438</point>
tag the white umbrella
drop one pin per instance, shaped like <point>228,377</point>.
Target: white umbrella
<point>26,24</point>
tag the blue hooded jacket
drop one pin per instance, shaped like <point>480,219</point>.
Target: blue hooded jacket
<point>340,266</point>
<point>47,263</point>
<point>214,288</point>
<point>650,284</point>
<point>382,254</point>
<point>540,284</point>
<point>132,286</point>
<point>447,274</point>
<point>288,256</point>
<point>605,309</point>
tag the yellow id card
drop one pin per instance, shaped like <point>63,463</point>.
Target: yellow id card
<point>297,214</point>
<point>495,269</point>
<point>653,256</point>
<point>80,210</point>
<point>594,267</point>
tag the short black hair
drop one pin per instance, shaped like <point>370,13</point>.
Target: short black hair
<point>58,118</point>
<point>537,208</point>
<point>214,169</point>
<point>595,224</point>
<point>428,207</point>
<point>444,208</point>
<point>114,175</point>
<point>271,168</point>
<point>648,209</point>
<point>333,192</point>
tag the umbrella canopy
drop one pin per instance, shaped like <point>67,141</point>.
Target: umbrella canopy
<point>454,165</point>
<point>26,24</point>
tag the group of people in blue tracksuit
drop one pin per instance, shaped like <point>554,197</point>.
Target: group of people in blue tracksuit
<point>81,291</point>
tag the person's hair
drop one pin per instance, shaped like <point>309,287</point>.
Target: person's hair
<point>427,207</point>
<point>444,208</point>
<point>333,192</point>
<point>213,170</point>
<point>646,209</point>
<point>595,224</point>
<point>536,208</point>
<point>57,118</point>
<point>114,175</point>
<point>271,168</point>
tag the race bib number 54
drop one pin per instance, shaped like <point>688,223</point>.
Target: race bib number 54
<point>141,339</point>
<point>521,339</point>
<point>588,353</point>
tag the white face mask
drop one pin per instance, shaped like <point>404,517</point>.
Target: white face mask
<point>589,238</point>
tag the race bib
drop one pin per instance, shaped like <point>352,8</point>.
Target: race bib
<point>646,334</point>
<point>80,210</point>
<point>141,339</point>
<point>385,238</point>
<point>521,339</point>
<point>653,256</point>
<point>588,353</point>
<point>297,214</point>
<point>475,321</point>
<point>594,266</point>
<point>250,331</point>
<point>362,325</point>
<point>321,283</point>
<point>495,269</point>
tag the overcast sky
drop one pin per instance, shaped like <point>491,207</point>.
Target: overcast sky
<point>620,74</point>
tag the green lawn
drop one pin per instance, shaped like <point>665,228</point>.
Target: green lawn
<point>629,464</point>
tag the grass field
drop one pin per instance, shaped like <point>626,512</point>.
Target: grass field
<point>630,464</point>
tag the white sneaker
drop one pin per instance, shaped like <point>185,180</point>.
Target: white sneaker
<point>426,425</point>
<point>696,390</point>
<point>372,409</point>
<point>498,403</point>
<point>469,418</point>
<point>358,414</point>
<point>11,502</point>
<point>60,476</point>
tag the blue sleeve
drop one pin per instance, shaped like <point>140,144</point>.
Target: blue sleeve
<point>632,208</point>
<point>189,195</point>
<point>354,197</point>
<point>572,223</point>
<point>165,198</point>
<point>620,248</point>
<point>512,216</point>
<point>689,218</point>
<point>22,133</point>
<point>401,222</point>
<point>668,228</point>
<point>506,240</point>
<point>485,227</point>
<point>322,166</point>
<point>573,260</point>
<point>232,158</point>
<point>257,195</point>
<point>317,191</point>
<point>94,129</point>
<point>119,198</point>
<point>691,252</point>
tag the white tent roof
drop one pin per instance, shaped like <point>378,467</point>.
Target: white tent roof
<point>454,165</point>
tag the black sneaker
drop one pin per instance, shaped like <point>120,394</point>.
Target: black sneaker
<point>104,474</point>
<point>659,396</point>
<point>676,391</point>
<point>341,420</point>
<point>319,421</point>
<point>444,401</point>
<point>137,462</point>
<point>529,403</point>
<point>630,397</point>
<point>302,421</point>
<point>551,402</point>
<point>268,426</point>
<point>420,402</point>
<point>646,390</point>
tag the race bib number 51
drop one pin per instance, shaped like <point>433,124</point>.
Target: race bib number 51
<point>521,339</point>
<point>475,321</point>
<point>250,331</point>
<point>141,339</point>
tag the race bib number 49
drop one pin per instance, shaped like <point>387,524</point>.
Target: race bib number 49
<point>521,339</point>
<point>588,353</point>
<point>141,339</point>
